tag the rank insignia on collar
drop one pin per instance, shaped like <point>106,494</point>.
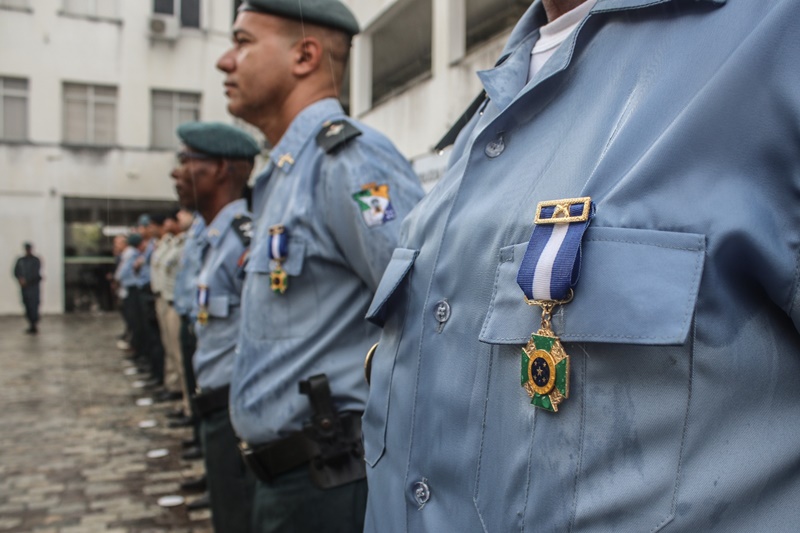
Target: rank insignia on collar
<point>375,205</point>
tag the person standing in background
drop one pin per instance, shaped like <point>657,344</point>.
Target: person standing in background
<point>27,270</point>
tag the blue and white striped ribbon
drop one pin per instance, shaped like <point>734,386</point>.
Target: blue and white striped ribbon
<point>202,296</point>
<point>552,260</point>
<point>278,243</point>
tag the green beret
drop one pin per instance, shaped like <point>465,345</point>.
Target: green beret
<point>217,139</point>
<point>134,239</point>
<point>328,13</point>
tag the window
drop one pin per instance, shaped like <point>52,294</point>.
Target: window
<point>187,10</point>
<point>170,110</point>
<point>488,18</point>
<point>401,50</point>
<point>13,109</point>
<point>92,8</point>
<point>90,114</point>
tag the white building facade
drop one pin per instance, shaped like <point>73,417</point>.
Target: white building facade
<point>91,92</point>
<point>413,67</point>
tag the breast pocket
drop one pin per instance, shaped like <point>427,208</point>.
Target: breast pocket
<point>388,310</point>
<point>618,437</point>
<point>270,315</point>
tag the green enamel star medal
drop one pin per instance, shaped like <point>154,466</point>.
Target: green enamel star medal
<point>547,275</point>
<point>278,253</point>
<point>545,364</point>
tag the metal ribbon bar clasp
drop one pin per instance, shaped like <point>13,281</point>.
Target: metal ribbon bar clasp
<point>562,211</point>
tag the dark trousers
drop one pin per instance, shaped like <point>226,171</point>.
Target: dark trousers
<point>132,310</point>
<point>293,504</point>
<point>230,482</point>
<point>188,347</point>
<point>152,335</point>
<point>30,299</point>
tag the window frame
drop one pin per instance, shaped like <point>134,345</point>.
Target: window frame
<point>177,12</point>
<point>175,108</point>
<point>92,99</point>
<point>14,93</point>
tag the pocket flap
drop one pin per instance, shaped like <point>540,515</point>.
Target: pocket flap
<point>636,287</point>
<point>399,266</point>
<point>218,306</point>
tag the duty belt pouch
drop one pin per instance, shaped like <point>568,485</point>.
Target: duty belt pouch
<point>340,457</point>
<point>211,401</point>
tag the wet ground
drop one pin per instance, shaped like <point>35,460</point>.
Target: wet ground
<point>72,455</point>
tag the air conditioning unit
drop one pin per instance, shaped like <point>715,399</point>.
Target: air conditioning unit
<point>164,27</point>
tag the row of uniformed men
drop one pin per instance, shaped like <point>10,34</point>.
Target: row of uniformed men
<point>663,331</point>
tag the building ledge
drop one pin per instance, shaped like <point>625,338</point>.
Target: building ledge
<point>17,9</point>
<point>91,18</point>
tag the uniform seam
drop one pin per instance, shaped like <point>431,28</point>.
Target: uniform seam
<point>493,299</point>
<point>622,241</point>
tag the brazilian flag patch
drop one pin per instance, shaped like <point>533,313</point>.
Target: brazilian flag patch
<point>545,371</point>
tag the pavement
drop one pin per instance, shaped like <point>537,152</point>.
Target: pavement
<point>72,455</point>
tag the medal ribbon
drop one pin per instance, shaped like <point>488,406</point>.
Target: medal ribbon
<point>278,243</point>
<point>552,261</point>
<point>202,296</point>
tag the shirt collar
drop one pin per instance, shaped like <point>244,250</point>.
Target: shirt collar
<point>504,82</point>
<point>304,127</point>
<point>216,230</point>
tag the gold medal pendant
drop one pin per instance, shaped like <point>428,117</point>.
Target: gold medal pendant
<point>545,364</point>
<point>279,280</point>
<point>202,316</point>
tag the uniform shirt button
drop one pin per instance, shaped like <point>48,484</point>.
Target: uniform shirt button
<point>442,311</point>
<point>422,492</point>
<point>495,147</point>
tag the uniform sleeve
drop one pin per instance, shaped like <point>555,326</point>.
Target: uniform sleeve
<point>368,189</point>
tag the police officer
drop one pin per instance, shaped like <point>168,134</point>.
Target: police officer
<point>658,389</point>
<point>27,271</point>
<point>151,336</point>
<point>328,209</point>
<point>214,165</point>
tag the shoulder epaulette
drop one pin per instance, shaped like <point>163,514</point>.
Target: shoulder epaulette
<point>243,227</point>
<point>335,134</point>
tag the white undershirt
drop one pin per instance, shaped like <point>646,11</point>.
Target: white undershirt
<point>553,34</point>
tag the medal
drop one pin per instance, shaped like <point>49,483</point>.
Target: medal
<point>278,280</point>
<point>547,275</point>
<point>202,302</point>
<point>278,252</point>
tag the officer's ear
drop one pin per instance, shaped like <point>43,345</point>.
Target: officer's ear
<point>308,53</point>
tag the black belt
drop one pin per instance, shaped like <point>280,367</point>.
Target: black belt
<point>211,401</point>
<point>278,457</point>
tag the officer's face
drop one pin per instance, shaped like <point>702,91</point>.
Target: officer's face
<point>258,67</point>
<point>194,179</point>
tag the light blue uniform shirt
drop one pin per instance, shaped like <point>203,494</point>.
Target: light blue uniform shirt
<point>143,276</point>
<point>126,276</point>
<point>223,276</point>
<point>335,260</point>
<point>681,119</point>
<point>186,280</point>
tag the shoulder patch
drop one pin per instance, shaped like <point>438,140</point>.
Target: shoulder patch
<point>335,134</point>
<point>243,227</point>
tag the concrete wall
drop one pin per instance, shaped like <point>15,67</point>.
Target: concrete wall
<point>48,48</point>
